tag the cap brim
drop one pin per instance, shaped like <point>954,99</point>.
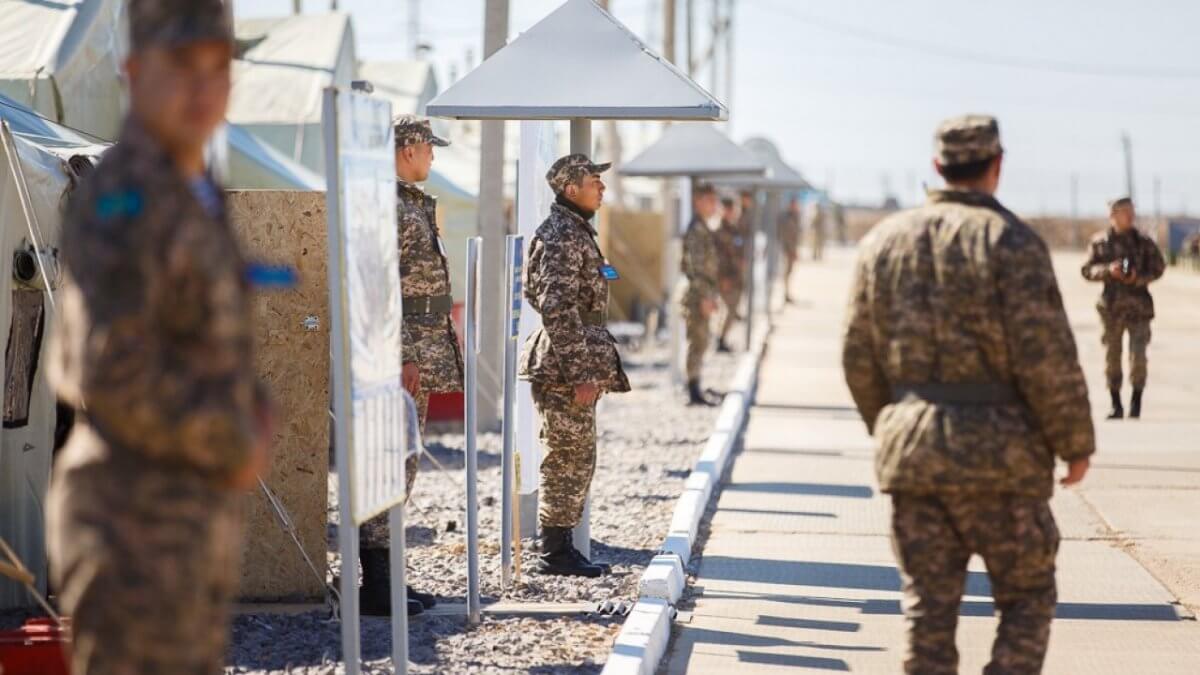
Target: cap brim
<point>439,141</point>
<point>601,168</point>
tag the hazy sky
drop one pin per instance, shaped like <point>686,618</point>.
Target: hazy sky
<point>852,90</point>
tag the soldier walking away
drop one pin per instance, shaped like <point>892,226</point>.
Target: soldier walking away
<point>700,269</point>
<point>961,361</point>
<point>731,267</point>
<point>817,225</point>
<point>154,351</point>
<point>432,359</point>
<point>572,360</point>
<point>1126,261</point>
<point>789,240</point>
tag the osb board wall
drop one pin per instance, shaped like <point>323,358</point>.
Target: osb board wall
<point>634,242</point>
<point>289,228</point>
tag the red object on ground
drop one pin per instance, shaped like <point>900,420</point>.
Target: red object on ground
<point>37,648</point>
<point>446,407</point>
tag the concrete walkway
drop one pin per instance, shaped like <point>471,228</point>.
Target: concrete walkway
<point>798,573</point>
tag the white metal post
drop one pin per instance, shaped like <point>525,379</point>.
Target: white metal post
<point>399,586</point>
<point>514,249</point>
<point>470,392</point>
<point>581,142</point>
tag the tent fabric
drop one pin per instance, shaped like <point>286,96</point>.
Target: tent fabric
<point>694,149</point>
<point>62,59</point>
<point>254,165</point>
<point>409,85</point>
<point>537,76</point>
<point>780,176</point>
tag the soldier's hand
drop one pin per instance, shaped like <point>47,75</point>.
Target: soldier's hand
<point>708,306</point>
<point>586,394</point>
<point>410,377</point>
<point>1114,271</point>
<point>259,462</point>
<point>1076,470</point>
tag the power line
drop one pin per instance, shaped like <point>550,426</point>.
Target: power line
<point>1043,65</point>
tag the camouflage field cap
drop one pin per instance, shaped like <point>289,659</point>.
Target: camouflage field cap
<point>1123,200</point>
<point>572,169</point>
<point>172,23</point>
<point>966,139</point>
<point>411,130</point>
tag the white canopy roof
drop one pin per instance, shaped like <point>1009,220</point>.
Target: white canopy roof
<point>694,150</point>
<point>537,76</point>
<point>780,175</point>
<point>409,85</point>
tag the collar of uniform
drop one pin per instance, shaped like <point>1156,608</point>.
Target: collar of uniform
<point>968,197</point>
<point>167,177</point>
<point>559,208</point>
<point>413,188</point>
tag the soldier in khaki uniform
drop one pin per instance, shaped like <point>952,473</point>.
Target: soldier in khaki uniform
<point>731,267</point>
<point>962,363</point>
<point>788,231</point>
<point>1126,261</point>
<point>153,348</point>
<point>701,268</point>
<point>572,359</point>
<point>432,360</point>
<point>816,225</point>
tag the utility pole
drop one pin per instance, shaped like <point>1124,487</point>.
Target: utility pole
<point>615,148</point>
<point>714,66</point>
<point>493,227</point>
<point>1127,147</point>
<point>690,21</point>
<point>729,61</point>
<point>1157,197</point>
<point>414,28</point>
<point>296,7</point>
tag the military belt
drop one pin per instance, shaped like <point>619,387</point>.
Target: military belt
<point>593,318</point>
<point>960,393</point>
<point>428,304</point>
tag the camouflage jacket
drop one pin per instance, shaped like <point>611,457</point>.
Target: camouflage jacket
<point>789,232</point>
<point>699,263</point>
<point>429,339</point>
<point>960,291</point>
<point>565,284</point>
<point>731,252</point>
<point>154,338</point>
<point>1121,300</point>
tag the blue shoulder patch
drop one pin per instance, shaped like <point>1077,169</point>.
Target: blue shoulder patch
<point>119,204</point>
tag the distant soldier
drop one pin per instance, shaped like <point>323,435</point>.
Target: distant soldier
<point>789,243</point>
<point>432,360</point>
<point>572,359</point>
<point>817,225</point>
<point>839,223</point>
<point>700,268</point>
<point>731,257</point>
<point>1127,261</point>
<point>153,349</point>
<point>961,361</point>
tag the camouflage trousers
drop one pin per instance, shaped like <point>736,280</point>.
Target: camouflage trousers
<point>934,537</point>
<point>818,244</point>
<point>569,439</point>
<point>731,298</point>
<point>790,258</point>
<point>145,561</point>
<point>699,334</point>
<point>373,534</point>
<point>1113,339</point>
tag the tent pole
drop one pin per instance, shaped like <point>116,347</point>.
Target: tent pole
<point>14,165</point>
<point>581,142</point>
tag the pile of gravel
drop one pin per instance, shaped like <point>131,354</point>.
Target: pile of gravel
<point>648,441</point>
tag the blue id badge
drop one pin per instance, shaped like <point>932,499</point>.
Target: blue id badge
<point>609,272</point>
<point>271,277</point>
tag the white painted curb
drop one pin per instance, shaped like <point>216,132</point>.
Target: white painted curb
<point>647,631</point>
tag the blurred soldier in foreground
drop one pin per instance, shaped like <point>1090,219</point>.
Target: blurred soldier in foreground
<point>572,359</point>
<point>700,268</point>
<point>154,351</point>
<point>432,360</point>
<point>961,361</point>
<point>1126,261</point>
<point>731,267</point>
<point>789,242</point>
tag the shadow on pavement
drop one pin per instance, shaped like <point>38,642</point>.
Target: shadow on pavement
<point>775,512</point>
<point>814,489</point>
<point>688,638</point>
<point>829,575</point>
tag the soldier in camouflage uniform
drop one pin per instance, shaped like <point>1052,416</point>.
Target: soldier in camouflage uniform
<point>1126,261</point>
<point>153,348</point>
<point>731,267</point>
<point>432,360</point>
<point>961,361</point>
<point>789,241</point>
<point>701,268</point>
<point>572,359</point>
<point>816,225</point>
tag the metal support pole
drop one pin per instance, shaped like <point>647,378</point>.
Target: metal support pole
<point>399,586</point>
<point>469,427</point>
<point>751,239</point>
<point>512,313</point>
<point>581,142</point>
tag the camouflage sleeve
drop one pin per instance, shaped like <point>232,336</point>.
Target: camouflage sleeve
<point>695,264</point>
<point>165,365</point>
<point>557,294</point>
<point>1041,346</point>
<point>864,376</point>
<point>1156,265</point>
<point>1095,269</point>
<point>408,343</point>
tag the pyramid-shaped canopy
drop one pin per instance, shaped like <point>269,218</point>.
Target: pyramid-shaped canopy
<point>578,62</point>
<point>694,150</point>
<point>779,176</point>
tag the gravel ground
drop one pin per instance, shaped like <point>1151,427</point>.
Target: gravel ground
<point>648,442</point>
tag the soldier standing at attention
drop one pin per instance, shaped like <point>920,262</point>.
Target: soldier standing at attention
<point>1126,261</point>
<point>789,241</point>
<point>154,351</point>
<point>700,268</point>
<point>817,225</point>
<point>960,359</point>
<point>731,249</point>
<point>572,359</point>
<point>432,360</point>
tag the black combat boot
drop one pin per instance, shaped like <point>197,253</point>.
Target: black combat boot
<point>375,595</point>
<point>696,396</point>
<point>581,558</point>
<point>1118,411</point>
<point>427,600</point>
<point>1135,404</point>
<point>557,558</point>
<point>722,347</point>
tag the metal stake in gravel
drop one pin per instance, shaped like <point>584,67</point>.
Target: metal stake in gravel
<point>512,318</point>
<point>469,422</point>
